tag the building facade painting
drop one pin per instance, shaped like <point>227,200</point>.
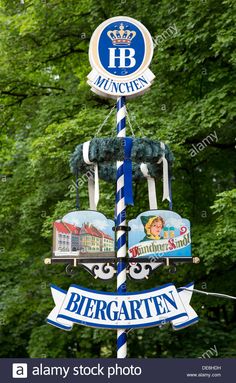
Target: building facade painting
<point>73,240</point>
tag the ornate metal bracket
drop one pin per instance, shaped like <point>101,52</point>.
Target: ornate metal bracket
<point>103,271</point>
<point>142,270</point>
<point>106,268</point>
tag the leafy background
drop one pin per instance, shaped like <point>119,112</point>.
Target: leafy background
<point>47,109</point>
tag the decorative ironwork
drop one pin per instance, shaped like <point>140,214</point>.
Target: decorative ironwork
<point>103,271</point>
<point>142,270</point>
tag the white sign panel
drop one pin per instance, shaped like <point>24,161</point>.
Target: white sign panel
<point>120,53</point>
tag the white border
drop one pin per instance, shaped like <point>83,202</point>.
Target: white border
<point>94,42</point>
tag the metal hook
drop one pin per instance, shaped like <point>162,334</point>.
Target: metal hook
<point>173,269</point>
<point>70,270</point>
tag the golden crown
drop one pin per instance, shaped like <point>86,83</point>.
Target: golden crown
<point>121,36</point>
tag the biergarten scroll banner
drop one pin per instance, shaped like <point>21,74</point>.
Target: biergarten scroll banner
<point>130,310</point>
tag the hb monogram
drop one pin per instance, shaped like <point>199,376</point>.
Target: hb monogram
<point>123,57</point>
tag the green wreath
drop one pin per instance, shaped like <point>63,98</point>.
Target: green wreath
<point>106,151</point>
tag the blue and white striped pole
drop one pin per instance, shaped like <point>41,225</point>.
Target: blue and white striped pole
<point>121,221</point>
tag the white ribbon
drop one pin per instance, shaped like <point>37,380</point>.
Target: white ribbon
<point>166,190</point>
<point>93,182</point>
<point>151,187</point>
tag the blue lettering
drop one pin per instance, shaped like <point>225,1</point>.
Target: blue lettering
<point>123,311</point>
<point>114,87</point>
<point>120,87</point>
<point>147,307</point>
<point>115,313</point>
<point>100,310</point>
<point>81,304</point>
<point>158,305</point>
<point>129,86</point>
<point>105,85</point>
<point>72,304</point>
<point>142,80</point>
<point>99,81</point>
<point>135,310</point>
<point>89,306</point>
<point>136,83</point>
<point>171,301</point>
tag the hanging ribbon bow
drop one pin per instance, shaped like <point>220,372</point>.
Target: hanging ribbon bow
<point>93,182</point>
<point>128,190</point>
<point>151,187</point>
<point>166,189</point>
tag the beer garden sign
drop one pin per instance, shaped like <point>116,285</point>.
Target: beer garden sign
<point>120,53</point>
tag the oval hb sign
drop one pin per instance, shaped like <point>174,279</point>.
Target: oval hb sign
<point>120,52</point>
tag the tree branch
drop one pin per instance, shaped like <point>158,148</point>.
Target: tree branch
<point>214,144</point>
<point>64,54</point>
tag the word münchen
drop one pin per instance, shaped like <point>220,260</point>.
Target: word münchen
<point>126,87</point>
<point>120,87</point>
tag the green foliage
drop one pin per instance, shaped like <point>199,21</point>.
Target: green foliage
<point>47,109</point>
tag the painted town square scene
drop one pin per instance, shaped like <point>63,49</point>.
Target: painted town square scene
<point>83,234</point>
